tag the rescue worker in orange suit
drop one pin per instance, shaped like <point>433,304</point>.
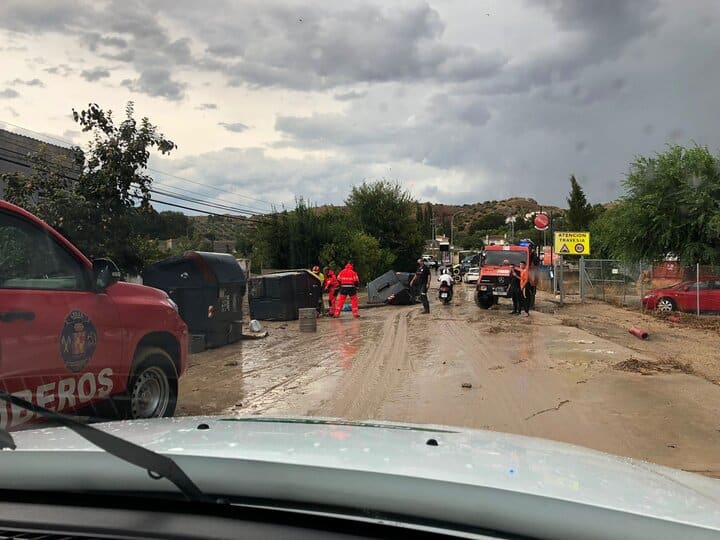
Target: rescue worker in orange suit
<point>525,291</point>
<point>349,282</point>
<point>331,286</point>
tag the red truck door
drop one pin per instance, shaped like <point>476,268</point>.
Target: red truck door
<point>57,336</point>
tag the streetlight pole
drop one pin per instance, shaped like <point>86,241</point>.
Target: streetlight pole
<point>452,228</point>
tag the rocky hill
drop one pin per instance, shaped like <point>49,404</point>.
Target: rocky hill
<point>467,213</point>
<point>231,226</point>
<point>221,228</point>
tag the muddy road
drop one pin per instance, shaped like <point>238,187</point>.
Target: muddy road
<point>571,374</point>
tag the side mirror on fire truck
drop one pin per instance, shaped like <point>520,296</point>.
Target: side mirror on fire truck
<point>105,273</point>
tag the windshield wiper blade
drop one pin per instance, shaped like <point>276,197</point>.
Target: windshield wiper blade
<point>157,465</point>
<point>6,440</point>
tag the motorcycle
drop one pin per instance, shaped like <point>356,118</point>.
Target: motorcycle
<point>445,293</point>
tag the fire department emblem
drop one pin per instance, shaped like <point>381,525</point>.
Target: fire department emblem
<point>77,341</point>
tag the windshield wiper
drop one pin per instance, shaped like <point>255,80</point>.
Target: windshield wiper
<point>6,440</point>
<point>157,465</point>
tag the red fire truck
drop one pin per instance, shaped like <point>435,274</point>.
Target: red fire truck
<point>73,337</point>
<point>495,271</point>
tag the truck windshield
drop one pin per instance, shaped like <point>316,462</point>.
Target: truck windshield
<point>499,258</point>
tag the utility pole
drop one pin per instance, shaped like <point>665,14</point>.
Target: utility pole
<point>432,231</point>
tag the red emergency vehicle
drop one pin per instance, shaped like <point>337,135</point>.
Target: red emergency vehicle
<point>72,336</point>
<point>494,277</point>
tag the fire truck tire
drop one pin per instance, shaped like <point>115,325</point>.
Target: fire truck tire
<point>485,302</point>
<point>153,385</point>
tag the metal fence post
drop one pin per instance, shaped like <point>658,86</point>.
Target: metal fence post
<point>697,288</point>
<point>582,279</point>
<point>561,283</point>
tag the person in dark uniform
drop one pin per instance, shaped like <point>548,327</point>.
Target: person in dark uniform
<point>514,289</point>
<point>421,280</point>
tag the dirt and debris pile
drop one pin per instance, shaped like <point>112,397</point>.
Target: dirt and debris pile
<point>646,367</point>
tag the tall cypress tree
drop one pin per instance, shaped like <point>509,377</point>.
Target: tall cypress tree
<point>580,212</point>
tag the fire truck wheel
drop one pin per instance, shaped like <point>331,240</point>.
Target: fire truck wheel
<point>153,387</point>
<point>485,302</point>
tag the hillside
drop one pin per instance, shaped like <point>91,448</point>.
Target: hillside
<point>230,227</point>
<point>221,228</point>
<point>467,213</point>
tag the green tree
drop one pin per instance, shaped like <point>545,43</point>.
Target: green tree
<point>369,259</point>
<point>580,211</point>
<point>488,222</point>
<point>50,193</point>
<point>174,225</point>
<point>670,206</point>
<point>385,211</point>
<point>104,211</point>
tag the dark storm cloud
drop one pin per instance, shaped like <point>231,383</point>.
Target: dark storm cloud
<point>95,41</point>
<point>603,30</point>
<point>676,135</point>
<point>347,96</point>
<point>326,130</point>
<point>325,48</point>
<point>40,15</point>
<point>127,31</point>
<point>63,70</point>
<point>31,82</point>
<point>123,56</point>
<point>468,109</point>
<point>179,51</point>
<point>586,92</point>
<point>252,171</point>
<point>9,93</point>
<point>237,127</point>
<point>157,82</point>
<point>94,74</point>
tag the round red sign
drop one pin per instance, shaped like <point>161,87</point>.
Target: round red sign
<point>542,221</point>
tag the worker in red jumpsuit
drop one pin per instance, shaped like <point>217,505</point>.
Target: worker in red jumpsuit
<point>331,286</point>
<point>349,282</point>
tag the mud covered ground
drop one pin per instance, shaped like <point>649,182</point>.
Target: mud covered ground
<point>571,374</point>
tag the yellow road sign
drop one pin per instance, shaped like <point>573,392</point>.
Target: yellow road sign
<point>572,243</point>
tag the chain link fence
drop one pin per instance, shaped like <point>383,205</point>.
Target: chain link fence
<point>614,281</point>
<point>665,286</point>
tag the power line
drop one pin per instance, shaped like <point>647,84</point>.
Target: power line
<point>38,156</point>
<point>221,190</point>
<point>241,218</point>
<point>202,202</point>
<point>29,164</point>
<point>199,194</point>
<point>239,210</point>
<point>210,187</point>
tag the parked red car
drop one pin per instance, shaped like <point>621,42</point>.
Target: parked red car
<point>684,296</point>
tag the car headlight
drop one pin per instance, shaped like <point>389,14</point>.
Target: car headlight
<point>172,304</point>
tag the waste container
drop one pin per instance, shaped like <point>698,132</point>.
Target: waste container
<point>208,289</point>
<point>391,287</point>
<point>383,286</point>
<point>279,296</point>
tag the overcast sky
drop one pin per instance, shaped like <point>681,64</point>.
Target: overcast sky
<point>461,101</point>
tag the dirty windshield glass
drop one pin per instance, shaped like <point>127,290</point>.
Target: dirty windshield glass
<point>504,258</point>
<point>243,210</point>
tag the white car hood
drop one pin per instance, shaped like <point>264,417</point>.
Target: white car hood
<point>453,475</point>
